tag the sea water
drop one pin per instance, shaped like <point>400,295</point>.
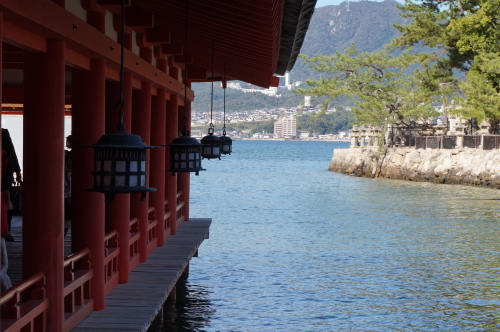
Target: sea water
<point>294,247</point>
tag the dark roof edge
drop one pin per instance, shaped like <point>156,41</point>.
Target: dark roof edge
<point>297,15</point>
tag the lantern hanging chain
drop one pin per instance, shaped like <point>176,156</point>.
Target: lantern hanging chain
<point>121,101</point>
<point>211,129</point>
<point>185,68</point>
<point>224,83</point>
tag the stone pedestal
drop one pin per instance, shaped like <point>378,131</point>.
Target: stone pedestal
<point>354,137</point>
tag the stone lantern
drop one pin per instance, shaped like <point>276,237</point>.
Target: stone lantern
<point>354,136</point>
<point>363,136</point>
<point>484,128</point>
<point>460,133</point>
<point>376,131</point>
<point>370,135</point>
<point>440,128</point>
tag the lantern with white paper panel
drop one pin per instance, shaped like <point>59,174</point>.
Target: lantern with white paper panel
<point>185,155</point>
<point>185,151</point>
<point>120,165</point>
<point>120,157</point>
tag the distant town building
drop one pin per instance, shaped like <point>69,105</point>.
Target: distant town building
<point>286,127</point>
<point>307,101</point>
<point>272,91</point>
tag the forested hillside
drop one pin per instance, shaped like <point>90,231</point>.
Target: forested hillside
<point>369,24</point>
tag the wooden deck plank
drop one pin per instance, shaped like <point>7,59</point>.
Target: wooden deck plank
<point>132,306</point>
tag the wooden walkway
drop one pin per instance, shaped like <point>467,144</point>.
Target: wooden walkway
<point>134,305</point>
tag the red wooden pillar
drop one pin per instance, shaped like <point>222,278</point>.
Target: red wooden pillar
<point>1,36</point>
<point>88,207</point>
<point>184,179</point>
<point>141,125</point>
<point>43,134</point>
<point>172,131</point>
<point>118,211</point>
<point>157,160</point>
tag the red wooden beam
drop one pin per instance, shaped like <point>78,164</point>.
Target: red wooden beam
<point>138,18</point>
<point>172,49</point>
<point>13,96</point>
<point>80,37</point>
<point>181,59</point>
<point>156,35</point>
<point>197,74</point>
<point>128,3</point>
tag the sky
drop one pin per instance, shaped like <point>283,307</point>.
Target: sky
<point>322,3</point>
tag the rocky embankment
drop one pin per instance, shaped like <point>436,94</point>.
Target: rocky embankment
<point>458,166</point>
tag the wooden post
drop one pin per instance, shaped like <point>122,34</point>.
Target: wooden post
<point>43,191</point>
<point>157,164</point>
<point>184,179</point>
<point>88,229</point>
<point>141,125</point>
<point>172,131</point>
<point>118,211</point>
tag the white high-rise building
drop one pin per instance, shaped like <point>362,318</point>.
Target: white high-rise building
<point>286,127</point>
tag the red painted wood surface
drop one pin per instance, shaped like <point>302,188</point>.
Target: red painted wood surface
<point>157,159</point>
<point>25,305</point>
<point>88,223</point>
<point>118,211</point>
<point>141,125</point>
<point>171,129</point>
<point>43,247</point>
<point>133,244</point>
<point>111,263</point>
<point>78,274</point>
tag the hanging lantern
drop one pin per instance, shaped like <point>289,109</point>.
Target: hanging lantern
<point>210,145</point>
<point>120,165</point>
<point>120,157</point>
<point>185,155</point>
<point>226,146</point>
<point>185,151</point>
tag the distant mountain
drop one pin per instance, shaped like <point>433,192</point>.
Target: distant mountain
<point>368,24</point>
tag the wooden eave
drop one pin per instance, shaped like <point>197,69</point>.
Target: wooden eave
<point>28,24</point>
<point>245,34</point>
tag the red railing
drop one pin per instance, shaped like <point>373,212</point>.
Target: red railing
<point>111,252</point>
<point>24,306</point>
<point>179,210</point>
<point>78,302</point>
<point>134,257</point>
<point>167,220</point>
<point>152,228</point>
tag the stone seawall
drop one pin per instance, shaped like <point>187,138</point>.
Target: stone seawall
<point>458,166</point>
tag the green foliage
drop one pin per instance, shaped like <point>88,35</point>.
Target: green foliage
<point>479,34</point>
<point>377,82</point>
<point>263,126</point>
<point>466,35</point>
<point>430,26</point>
<point>237,100</point>
<point>330,123</point>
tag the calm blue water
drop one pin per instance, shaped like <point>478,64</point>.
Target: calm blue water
<point>294,247</point>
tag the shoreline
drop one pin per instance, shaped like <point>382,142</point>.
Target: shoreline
<point>454,166</point>
<point>292,140</point>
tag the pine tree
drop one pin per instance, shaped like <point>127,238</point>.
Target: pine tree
<point>382,91</point>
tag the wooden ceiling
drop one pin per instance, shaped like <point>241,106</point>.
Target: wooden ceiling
<point>245,34</point>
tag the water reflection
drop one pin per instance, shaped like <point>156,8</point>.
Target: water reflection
<point>297,248</point>
<point>191,311</point>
